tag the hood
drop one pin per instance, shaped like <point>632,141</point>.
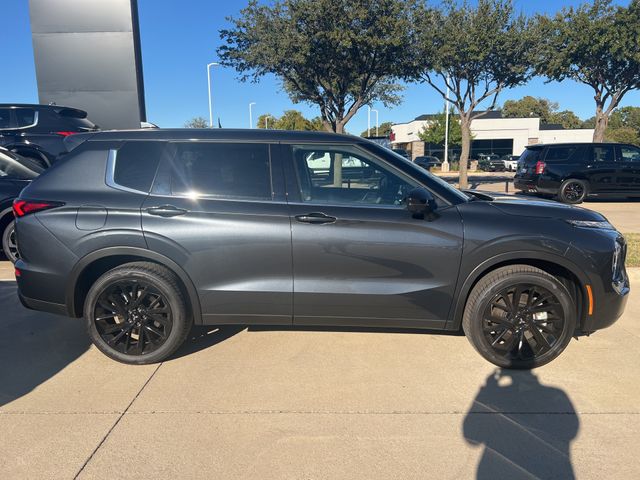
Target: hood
<point>523,206</point>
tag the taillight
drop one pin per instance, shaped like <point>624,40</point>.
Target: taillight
<point>540,166</point>
<point>18,273</point>
<point>65,133</point>
<point>25,207</point>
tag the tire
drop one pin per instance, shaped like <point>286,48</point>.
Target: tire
<point>137,314</point>
<point>519,338</point>
<point>573,191</point>
<point>9,244</point>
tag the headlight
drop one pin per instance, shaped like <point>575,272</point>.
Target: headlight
<point>591,224</point>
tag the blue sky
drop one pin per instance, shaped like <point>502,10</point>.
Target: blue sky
<point>180,37</point>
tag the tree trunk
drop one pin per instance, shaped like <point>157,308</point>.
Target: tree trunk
<point>602,120</point>
<point>337,160</point>
<point>465,125</point>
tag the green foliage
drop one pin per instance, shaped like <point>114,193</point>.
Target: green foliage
<point>595,44</point>
<point>624,126</point>
<point>567,119</point>
<point>384,130</point>
<point>197,122</point>
<point>623,135</point>
<point>530,107</point>
<point>337,54</point>
<point>290,120</point>
<point>433,132</point>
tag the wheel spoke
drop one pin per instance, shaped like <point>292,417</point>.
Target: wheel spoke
<point>110,328</point>
<point>499,337</point>
<point>541,340</point>
<point>119,336</point>
<point>155,331</point>
<point>158,318</point>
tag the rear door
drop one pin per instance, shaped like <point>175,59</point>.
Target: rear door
<point>629,157</point>
<point>602,169</point>
<point>359,257</point>
<point>218,210</point>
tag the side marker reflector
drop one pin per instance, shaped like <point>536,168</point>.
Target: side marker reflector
<point>590,298</point>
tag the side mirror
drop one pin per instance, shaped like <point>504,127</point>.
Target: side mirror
<point>420,202</point>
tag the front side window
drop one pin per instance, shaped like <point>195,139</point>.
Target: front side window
<point>603,154</point>
<point>25,117</point>
<point>227,170</point>
<point>630,154</point>
<point>339,175</point>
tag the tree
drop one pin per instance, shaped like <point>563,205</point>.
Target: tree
<point>384,130</point>
<point>624,125</point>
<point>475,52</point>
<point>197,122</point>
<point>434,130</point>
<point>266,120</point>
<point>566,118</point>
<point>530,107</point>
<point>595,44</point>
<point>337,54</point>
<point>623,135</point>
<point>290,120</point>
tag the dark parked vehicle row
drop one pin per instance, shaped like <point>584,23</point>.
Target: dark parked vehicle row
<point>145,233</point>
<point>38,131</point>
<point>428,162</point>
<point>573,171</point>
<point>15,173</point>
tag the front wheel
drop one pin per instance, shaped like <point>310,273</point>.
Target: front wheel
<point>519,317</point>
<point>136,313</point>
<point>9,242</point>
<point>573,191</point>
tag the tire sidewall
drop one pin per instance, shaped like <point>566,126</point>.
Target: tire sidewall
<point>476,335</point>
<point>175,301</point>
<point>5,241</point>
<point>566,183</point>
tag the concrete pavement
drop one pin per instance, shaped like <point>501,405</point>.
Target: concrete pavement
<point>283,403</point>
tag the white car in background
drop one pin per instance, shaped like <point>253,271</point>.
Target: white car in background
<point>510,162</point>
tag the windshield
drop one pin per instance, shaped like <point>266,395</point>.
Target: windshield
<point>17,167</point>
<point>420,171</point>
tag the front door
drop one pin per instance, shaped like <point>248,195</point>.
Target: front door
<point>359,257</point>
<point>630,168</point>
<point>218,210</point>
<point>602,169</point>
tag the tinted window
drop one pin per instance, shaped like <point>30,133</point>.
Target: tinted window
<point>25,117</point>
<point>18,167</point>
<point>339,176</point>
<point>136,164</point>
<point>559,154</point>
<point>630,154</point>
<point>530,156</point>
<point>222,169</point>
<point>5,118</point>
<point>603,154</point>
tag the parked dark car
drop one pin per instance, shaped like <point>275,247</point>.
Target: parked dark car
<point>427,162</point>
<point>491,163</point>
<point>573,171</point>
<point>145,233</point>
<point>402,152</point>
<point>15,173</point>
<point>38,131</point>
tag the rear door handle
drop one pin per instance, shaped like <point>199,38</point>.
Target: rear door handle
<point>166,211</point>
<point>315,218</point>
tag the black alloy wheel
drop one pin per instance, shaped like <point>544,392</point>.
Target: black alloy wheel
<point>133,317</point>
<point>573,191</point>
<point>10,242</point>
<point>519,316</point>
<point>137,314</point>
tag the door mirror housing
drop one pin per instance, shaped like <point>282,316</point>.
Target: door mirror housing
<point>420,202</point>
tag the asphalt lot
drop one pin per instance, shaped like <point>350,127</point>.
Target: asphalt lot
<point>296,403</point>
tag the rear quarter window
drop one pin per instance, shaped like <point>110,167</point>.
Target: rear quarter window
<point>136,164</point>
<point>559,154</point>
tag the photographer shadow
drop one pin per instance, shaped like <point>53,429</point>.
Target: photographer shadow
<point>526,428</point>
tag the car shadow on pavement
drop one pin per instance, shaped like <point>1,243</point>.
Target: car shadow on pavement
<point>205,336</point>
<point>525,428</point>
<point>34,346</point>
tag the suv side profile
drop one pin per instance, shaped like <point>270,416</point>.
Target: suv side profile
<point>38,131</point>
<point>150,232</point>
<point>573,171</point>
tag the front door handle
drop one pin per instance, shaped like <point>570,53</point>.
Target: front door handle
<point>166,211</point>
<point>315,218</point>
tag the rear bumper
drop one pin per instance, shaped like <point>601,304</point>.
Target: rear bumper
<point>42,306</point>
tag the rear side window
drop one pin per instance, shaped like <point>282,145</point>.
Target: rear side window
<point>229,170</point>
<point>603,153</point>
<point>530,155</point>
<point>5,118</point>
<point>136,164</point>
<point>559,154</point>
<point>25,117</point>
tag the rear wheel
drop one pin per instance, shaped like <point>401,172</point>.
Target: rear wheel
<point>9,242</point>
<point>519,317</point>
<point>573,191</point>
<point>136,313</point>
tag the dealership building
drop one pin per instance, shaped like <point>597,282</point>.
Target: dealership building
<point>492,133</point>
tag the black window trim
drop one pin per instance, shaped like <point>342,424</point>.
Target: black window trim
<point>14,121</point>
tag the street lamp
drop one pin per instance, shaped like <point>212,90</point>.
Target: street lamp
<point>368,120</point>
<point>209,65</point>
<point>266,121</point>
<point>251,114</point>
<point>445,163</point>
<point>377,120</point>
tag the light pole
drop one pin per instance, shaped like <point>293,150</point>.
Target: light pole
<point>251,114</point>
<point>266,122</point>
<point>209,65</point>
<point>445,163</point>
<point>368,120</point>
<point>377,120</point>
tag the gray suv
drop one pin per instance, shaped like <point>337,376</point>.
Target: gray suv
<point>145,233</point>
